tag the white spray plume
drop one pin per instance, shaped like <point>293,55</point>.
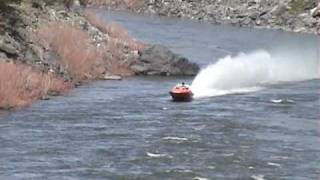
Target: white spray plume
<point>249,72</point>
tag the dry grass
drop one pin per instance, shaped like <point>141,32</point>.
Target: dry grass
<point>77,53</point>
<point>21,84</point>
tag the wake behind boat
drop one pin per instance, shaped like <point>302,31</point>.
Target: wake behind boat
<point>181,92</point>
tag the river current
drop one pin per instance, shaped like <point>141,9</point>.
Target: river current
<point>131,129</point>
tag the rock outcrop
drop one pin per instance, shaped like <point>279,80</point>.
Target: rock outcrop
<point>159,60</point>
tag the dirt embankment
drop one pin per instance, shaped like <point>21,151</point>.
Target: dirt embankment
<point>288,15</point>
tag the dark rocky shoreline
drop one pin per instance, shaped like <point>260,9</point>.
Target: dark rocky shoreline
<point>288,15</point>
<point>160,60</point>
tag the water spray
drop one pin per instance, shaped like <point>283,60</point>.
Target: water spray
<point>253,71</point>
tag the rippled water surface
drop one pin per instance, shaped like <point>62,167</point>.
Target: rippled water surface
<point>131,130</point>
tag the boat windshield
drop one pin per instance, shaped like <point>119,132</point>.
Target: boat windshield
<point>182,85</point>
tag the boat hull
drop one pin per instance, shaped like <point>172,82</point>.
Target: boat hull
<point>181,96</point>
<point>181,93</point>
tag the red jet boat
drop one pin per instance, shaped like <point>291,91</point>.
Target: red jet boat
<point>181,93</point>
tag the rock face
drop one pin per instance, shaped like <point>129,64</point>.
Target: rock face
<point>159,60</point>
<point>289,15</point>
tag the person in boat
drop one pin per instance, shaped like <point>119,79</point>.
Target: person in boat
<point>182,85</point>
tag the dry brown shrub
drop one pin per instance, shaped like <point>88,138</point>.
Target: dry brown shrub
<point>81,57</point>
<point>21,84</point>
<point>77,53</point>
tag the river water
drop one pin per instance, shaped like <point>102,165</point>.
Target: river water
<point>131,129</point>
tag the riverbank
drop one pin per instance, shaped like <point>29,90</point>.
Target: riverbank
<point>288,15</point>
<point>48,48</point>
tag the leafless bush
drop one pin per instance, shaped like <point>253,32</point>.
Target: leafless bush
<point>21,84</point>
<point>77,53</point>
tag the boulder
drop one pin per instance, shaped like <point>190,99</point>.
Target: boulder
<point>139,68</point>
<point>7,48</point>
<point>45,98</point>
<point>36,51</point>
<point>74,5</point>
<point>279,9</point>
<point>159,60</point>
<point>112,77</point>
<point>3,56</point>
<point>315,12</point>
